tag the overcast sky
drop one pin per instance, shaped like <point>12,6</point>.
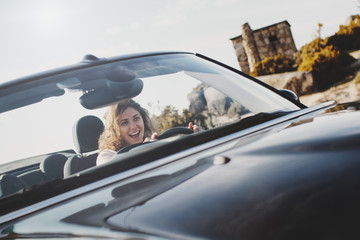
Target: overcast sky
<point>40,34</point>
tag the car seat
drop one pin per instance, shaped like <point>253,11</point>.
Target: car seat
<point>10,184</point>
<point>51,167</point>
<point>35,176</point>
<point>86,133</point>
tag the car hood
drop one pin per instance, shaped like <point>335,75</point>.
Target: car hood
<point>296,177</point>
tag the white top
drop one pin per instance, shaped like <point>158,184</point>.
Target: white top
<point>105,156</point>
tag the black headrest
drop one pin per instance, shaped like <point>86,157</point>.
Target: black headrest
<point>77,164</point>
<point>53,166</point>
<point>86,133</point>
<point>10,184</point>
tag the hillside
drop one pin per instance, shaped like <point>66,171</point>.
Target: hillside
<point>301,82</point>
<point>346,91</point>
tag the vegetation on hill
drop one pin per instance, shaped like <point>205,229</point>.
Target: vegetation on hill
<point>271,65</point>
<point>347,38</point>
<point>327,63</point>
<point>327,58</point>
<point>170,118</point>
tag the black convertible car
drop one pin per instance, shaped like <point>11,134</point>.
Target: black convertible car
<point>262,166</point>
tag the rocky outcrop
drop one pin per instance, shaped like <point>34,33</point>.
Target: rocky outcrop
<point>301,83</point>
<point>197,101</point>
<point>217,103</point>
<point>210,99</point>
<point>218,108</point>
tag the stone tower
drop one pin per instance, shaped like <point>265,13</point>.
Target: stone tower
<point>253,46</point>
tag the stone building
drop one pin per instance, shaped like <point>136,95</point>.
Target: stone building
<point>254,45</point>
<point>350,19</point>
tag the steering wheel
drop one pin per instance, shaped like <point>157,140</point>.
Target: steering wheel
<point>174,131</point>
<point>168,133</point>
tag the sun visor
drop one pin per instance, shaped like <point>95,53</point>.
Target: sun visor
<point>111,93</point>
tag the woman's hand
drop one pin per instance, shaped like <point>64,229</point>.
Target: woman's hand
<point>152,138</point>
<point>193,127</point>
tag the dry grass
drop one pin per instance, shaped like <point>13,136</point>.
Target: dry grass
<point>346,92</point>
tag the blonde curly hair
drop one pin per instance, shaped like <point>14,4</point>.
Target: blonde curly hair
<point>110,138</point>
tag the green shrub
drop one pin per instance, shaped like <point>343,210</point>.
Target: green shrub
<point>170,117</point>
<point>271,65</point>
<point>326,62</point>
<point>347,38</point>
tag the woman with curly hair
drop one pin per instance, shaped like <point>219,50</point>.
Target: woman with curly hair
<point>126,123</point>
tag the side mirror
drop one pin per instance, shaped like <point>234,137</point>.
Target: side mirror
<point>289,94</point>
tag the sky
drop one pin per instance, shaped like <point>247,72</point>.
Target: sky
<point>38,35</point>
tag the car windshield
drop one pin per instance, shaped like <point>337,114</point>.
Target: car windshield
<point>38,113</point>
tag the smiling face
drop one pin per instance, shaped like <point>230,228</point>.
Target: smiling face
<point>131,126</point>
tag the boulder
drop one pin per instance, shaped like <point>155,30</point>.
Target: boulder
<point>197,101</point>
<point>217,102</point>
<point>301,83</point>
